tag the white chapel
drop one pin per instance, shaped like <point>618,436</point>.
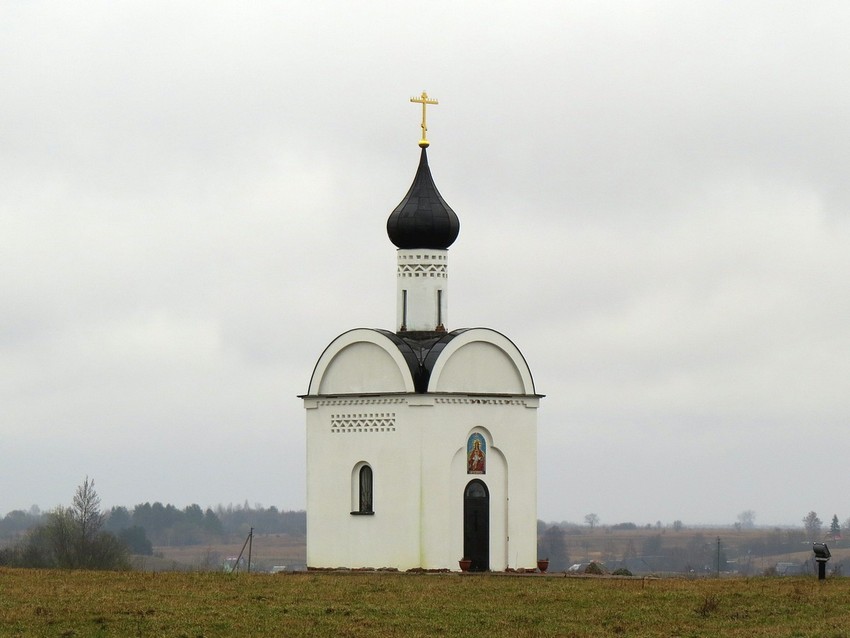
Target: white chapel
<point>422,440</point>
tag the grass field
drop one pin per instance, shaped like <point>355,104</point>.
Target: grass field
<point>195,605</point>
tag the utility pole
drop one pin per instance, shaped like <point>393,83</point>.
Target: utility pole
<point>718,557</point>
<point>250,546</point>
<point>249,543</point>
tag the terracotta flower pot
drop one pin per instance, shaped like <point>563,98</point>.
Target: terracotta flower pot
<point>543,565</point>
<point>465,564</point>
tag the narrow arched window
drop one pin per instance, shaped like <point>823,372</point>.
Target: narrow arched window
<point>364,481</point>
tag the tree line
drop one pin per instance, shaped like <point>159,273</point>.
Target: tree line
<point>169,526</point>
<point>83,536</point>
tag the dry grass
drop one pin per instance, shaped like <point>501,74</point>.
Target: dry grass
<point>194,605</point>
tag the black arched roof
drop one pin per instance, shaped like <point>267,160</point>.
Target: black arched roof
<point>411,356</point>
<point>425,352</point>
<point>423,219</point>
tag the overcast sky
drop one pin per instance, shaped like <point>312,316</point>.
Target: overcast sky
<point>654,207</point>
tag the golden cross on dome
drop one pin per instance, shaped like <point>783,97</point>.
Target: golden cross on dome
<point>423,100</point>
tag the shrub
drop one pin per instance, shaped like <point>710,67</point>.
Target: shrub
<point>708,606</point>
<point>71,538</point>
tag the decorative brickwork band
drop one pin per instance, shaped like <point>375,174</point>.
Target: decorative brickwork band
<point>373,422</point>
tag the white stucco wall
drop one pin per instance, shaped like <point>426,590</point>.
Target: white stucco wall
<point>342,434</point>
<point>416,447</point>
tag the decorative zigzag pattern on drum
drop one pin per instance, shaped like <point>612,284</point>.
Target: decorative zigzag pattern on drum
<point>422,270</point>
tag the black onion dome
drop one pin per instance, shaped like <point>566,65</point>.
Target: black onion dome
<point>423,219</point>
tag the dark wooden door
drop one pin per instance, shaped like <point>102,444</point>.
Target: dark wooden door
<point>476,525</point>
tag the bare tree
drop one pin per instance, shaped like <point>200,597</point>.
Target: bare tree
<point>61,538</point>
<point>75,537</point>
<point>747,519</point>
<point>592,520</point>
<point>87,517</point>
<point>812,524</point>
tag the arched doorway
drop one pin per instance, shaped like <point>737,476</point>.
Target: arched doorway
<point>476,525</point>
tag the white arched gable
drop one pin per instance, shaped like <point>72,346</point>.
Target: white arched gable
<point>481,360</point>
<point>361,361</point>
